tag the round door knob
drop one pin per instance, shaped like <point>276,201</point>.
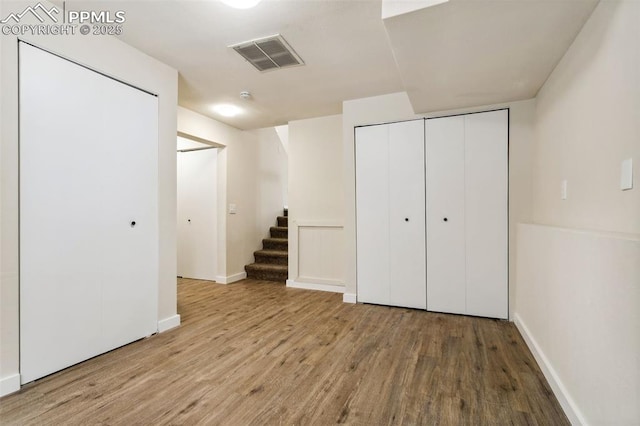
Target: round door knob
<point>133,223</point>
<point>406,219</point>
<point>445,219</point>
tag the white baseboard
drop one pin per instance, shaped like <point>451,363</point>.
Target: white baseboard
<point>317,280</point>
<point>168,323</point>
<point>566,402</point>
<point>9,384</point>
<point>315,286</point>
<point>349,298</point>
<point>231,278</point>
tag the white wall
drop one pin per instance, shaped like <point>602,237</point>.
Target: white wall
<point>578,307</point>
<point>391,8</point>
<point>521,141</point>
<point>271,177</point>
<point>577,296</point>
<point>283,156</point>
<point>396,107</point>
<point>251,176</point>
<point>316,203</point>
<point>112,57</point>
<point>588,115</point>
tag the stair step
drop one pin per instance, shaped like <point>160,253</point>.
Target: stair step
<point>272,257</point>
<point>286,212</point>
<point>261,271</point>
<point>275,244</point>
<point>279,232</point>
<point>283,221</point>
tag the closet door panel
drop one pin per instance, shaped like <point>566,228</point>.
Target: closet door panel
<point>372,211</point>
<point>130,252</point>
<point>486,213</point>
<point>407,215</point>
<point>88,167</point>
<point>445,187</point>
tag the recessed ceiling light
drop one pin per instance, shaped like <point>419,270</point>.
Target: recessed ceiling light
<point>227,110</point>
<point>241,4</point>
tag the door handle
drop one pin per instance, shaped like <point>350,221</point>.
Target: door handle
<point>133,223</point>
<point>445,219</point>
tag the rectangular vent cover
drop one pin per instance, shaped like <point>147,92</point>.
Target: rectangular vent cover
<point>268,53</point>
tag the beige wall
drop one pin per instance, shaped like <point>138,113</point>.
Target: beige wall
<point>251,175</point>
<point>578,307</point>
<point>577,299</point>
<point>271,177</point>
<point>316,203</point>
<point>521,141</point>
<point>588,115</point>
<point>114,58</point>
<point>254,185</point>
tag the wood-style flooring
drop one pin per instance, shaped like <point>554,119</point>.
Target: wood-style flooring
<point>258,353</point>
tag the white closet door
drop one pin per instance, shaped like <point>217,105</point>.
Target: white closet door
<point>372,210</point>
<point>197,213</point>
<point>390,214</point>
<point>88,171</point>
<point>407,215</point>
<point>445,177</point>
<point>486,191</point>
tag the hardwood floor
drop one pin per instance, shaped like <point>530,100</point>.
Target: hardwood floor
<point>257,353</point>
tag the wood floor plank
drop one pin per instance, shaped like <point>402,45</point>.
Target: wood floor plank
<point>258,353</point>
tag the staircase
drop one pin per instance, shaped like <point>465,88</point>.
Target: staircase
<point>271,263</point>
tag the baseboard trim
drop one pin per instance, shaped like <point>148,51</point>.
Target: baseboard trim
<point>231,278</point>
<point>9,384</point>
<point>315,280</point>
<point>315,286</point>
<point>349,298</point>
<point>168,323</point>
<point>564,398</point>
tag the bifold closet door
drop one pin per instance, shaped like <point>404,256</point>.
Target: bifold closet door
<point>88,213</point>
<point>466,159</point>
<point>391,264</point>
<point>446,275</point>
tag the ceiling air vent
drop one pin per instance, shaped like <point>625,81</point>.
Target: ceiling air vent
<point>268,53</point>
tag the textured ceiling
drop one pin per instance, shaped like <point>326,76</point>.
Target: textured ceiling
<point>469,53</point>
<point>457,54</point>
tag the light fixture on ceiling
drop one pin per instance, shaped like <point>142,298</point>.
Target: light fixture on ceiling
<point>241,4</point>
<point>227,110</point>
<point>245,95</point>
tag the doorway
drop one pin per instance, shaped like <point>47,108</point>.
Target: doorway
<point>197,209</point>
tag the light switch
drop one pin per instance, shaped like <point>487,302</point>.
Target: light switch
<point>626,174</point>
<point>563,190</point>
<point>232,209</point>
